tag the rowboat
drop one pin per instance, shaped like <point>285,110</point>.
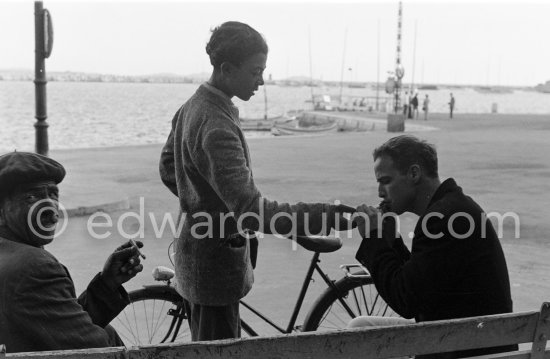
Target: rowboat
<point>259,124</point>
<point>280,129</point>
<point>263,124</point>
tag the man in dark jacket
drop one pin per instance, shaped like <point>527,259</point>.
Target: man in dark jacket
<point>456,266</point>
<point>38,305</point>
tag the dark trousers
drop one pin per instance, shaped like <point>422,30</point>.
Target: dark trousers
<point>213,323</point>
<point>114,339</point>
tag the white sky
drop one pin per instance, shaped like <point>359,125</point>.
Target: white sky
<point>487,43</point>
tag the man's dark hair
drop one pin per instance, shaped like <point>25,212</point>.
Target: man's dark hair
<point>406,151</point>
<point>234,42</point>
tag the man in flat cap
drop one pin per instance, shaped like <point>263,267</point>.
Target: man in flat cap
<point>39,309</point>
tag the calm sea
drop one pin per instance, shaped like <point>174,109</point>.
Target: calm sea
<point>82,114</point>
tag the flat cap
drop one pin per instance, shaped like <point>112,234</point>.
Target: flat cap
<point>17,168</point>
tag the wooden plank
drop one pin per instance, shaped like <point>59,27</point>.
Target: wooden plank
<point>542,332</point>
<point>379,343</point>
<point>92,353</point>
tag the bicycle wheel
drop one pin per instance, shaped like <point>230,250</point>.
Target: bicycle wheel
<point>156,314</point>
<point>354,296</point>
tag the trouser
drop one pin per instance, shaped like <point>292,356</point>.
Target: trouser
<point>213,322</point>
<point>114,339</point>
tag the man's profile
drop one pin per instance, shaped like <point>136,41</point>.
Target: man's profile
<point>455,268</point>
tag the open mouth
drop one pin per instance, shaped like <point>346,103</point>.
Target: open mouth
<point>49,219</point>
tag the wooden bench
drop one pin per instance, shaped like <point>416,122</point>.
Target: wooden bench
<point>377,343</point>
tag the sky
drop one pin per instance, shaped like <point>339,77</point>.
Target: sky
<point>445,42</point>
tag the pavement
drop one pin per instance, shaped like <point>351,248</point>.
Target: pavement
<point>500,160</point>
<point>106,179</point>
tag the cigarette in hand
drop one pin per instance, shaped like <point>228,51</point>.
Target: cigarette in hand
<point>137,248</point>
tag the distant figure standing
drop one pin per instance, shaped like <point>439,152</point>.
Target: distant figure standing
<point>414,106</point>
<point>451,105</point>
<point>425,107</point>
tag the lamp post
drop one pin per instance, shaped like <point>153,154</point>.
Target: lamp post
<point>399,73</point>
<point>396,121</point>
<point>399,70</point>
<point>43,42</point>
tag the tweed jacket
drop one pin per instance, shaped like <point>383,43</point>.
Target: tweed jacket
<point>206,163</point>
<point>38,306</point>
<point>455,269</point>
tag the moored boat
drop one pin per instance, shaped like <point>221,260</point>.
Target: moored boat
<point>261,124</point>
<point>281,129</point>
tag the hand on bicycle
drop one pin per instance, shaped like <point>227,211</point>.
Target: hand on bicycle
<point>122,265</point>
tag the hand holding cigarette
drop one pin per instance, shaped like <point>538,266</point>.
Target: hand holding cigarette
<point>137,248</point>
<point>123,264</point>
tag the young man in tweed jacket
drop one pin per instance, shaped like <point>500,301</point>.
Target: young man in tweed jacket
<point>206,163</point>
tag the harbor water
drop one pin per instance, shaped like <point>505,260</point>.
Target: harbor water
<point>92,114</point>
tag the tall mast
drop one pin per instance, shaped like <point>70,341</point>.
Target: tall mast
<point>398,68</point>
<point>414,60</point>
<point>310,69</point>
<point>343,65</point>
<point>265,101</point>
<point>378,67</point>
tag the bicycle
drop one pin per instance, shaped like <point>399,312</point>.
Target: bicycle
<point>156,313</point>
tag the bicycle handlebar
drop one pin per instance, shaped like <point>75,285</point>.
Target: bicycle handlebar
<point>319,244</point>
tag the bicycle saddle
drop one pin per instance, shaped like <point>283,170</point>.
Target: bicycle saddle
<point>319,244</point>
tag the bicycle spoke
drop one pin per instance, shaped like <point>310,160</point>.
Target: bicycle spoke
<point>152,317</point>
<point>336,317</point>
<point>357,304</point>
<point>350,298</point>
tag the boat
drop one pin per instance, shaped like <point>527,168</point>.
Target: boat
<point>493,89</point>
<point>284,129</point>
<point>544,88</point>
<point>428,87</point>
<point>261,124</point>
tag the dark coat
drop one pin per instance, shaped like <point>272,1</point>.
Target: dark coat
<point>38,305</point>
<point>442,278</point>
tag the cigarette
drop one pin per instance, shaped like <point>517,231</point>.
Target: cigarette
<point>136,247</point>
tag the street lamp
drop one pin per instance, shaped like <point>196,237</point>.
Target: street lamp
<point>43,48</point>
<point>399,73</point>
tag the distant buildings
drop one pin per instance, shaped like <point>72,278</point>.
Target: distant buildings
<point>68,76</point>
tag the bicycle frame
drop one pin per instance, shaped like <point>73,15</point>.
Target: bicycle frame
<point>179,313</point>
<point>313,266</point>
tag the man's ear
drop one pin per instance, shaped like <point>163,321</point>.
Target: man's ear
<point>415,173</point>
<point>226,68</point>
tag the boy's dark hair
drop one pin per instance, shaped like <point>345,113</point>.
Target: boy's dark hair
<point>406,151</point>
<point>234,42</point>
